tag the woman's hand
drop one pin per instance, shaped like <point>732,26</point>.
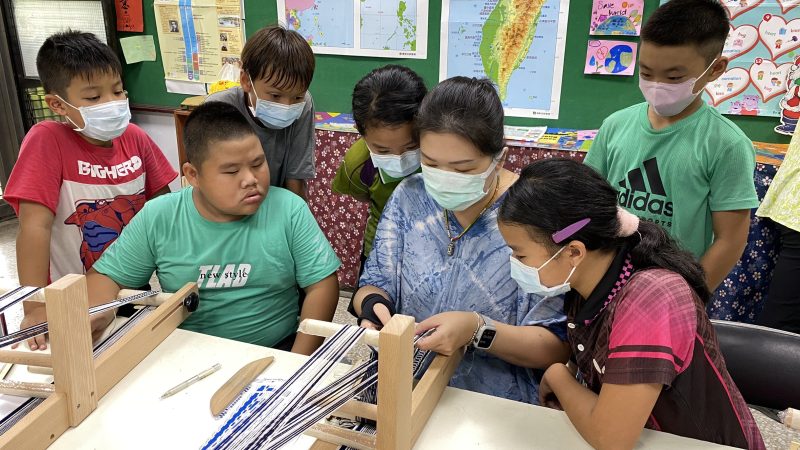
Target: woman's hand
<point>383,314</point>
<point>454,330</point>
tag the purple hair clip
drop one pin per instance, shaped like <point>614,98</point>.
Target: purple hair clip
<point>562,235</point>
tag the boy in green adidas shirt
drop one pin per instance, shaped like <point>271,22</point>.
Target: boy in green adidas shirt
<point>385,103</point>
<point>246,244</point>
<point>675,160</point>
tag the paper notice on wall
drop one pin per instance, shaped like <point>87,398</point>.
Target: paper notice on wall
<point>185,87</point>
<point>138,48</point>
<point>189,37</point>
<point>231,30</point>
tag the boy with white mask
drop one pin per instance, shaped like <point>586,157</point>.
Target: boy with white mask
<point>385,104</point>
<point>76,185</point>
<point>675,160</point>
<point>277,69</point>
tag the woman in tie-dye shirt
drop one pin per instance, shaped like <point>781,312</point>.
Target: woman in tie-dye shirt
<point>438,255</point>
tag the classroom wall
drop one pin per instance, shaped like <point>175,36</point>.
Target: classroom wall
<point>161,128</point>
<point>585,100</point>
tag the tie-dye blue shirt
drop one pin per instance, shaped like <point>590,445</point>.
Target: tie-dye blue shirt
<point>409,261</point>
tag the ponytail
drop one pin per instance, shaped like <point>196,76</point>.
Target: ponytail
<point>656,249</point>
<point>553,194</point>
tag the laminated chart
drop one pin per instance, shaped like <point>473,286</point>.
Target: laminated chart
<point>376,28</point>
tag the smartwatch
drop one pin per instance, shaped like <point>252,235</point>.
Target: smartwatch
<point>485,334</point>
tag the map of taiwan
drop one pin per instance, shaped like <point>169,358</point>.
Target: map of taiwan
<point>518,44</point>
<point>507,36</point>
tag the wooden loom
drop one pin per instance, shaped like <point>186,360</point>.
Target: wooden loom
<point>80,381</point>
<point>402,410</point>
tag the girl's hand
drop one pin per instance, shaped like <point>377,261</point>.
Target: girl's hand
<point>546,395</point>
<point>454,330</point>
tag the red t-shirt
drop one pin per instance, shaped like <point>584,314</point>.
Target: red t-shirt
<point>93,191</point>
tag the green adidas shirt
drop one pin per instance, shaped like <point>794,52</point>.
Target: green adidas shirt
<point>677,176</point>
<point>357,176</point>
<point>247,271</point>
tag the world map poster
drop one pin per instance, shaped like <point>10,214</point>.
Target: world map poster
<point>377,28</point>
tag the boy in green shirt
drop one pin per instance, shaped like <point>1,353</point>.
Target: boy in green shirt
<point>675,160</point>
<point>385,103</point>
<point>246,244</point>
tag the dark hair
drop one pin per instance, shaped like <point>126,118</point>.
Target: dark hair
<point>552,194</point>
<point>69,54</point>
<point>279,55</point>
<point>702,23</point>
<point>212,122</point>
<point>467,107</point>
<point>389,95</point>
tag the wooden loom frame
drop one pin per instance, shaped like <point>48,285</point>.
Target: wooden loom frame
<point>402,410</point>
<point>80,381</point>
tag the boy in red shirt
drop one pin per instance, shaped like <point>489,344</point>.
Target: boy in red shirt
<point>76,185</point>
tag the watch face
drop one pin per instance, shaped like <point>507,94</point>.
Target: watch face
<point>486,338</point>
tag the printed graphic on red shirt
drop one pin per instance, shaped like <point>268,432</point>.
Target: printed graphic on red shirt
<point>101,221</point>
<point>93,192</point>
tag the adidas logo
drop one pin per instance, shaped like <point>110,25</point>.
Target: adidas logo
<point>644,191</point>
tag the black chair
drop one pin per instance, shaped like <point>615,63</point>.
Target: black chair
<point>763,362</point>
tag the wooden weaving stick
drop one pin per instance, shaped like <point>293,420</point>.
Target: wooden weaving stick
<point>236,384</point>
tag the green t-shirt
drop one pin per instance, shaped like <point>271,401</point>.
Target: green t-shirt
<point>357,176</point>
<point>247,271</point>
<point>677,176</point>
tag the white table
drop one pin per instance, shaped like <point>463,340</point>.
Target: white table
<point>131,416</point>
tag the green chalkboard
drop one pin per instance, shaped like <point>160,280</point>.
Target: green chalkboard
<point>585,100</point>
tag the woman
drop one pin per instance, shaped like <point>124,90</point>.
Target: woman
<point>782,205</point>
<point>636,317</point>
<point>438,254</point>
<point>385,103</point>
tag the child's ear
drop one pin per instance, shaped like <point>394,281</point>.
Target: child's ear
<point>576,252</point>
<point>191,174</point>
<point>719,68</point>
<point>55,104</point>
<point>244,80</point>
<point>503,158</point>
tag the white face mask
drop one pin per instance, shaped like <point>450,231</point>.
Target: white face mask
<point>528,278</point>
<point>396,166</point>
<point>668,99</point>
<point>275,115</point>
<point>456,191</point>
<point>103,122</point>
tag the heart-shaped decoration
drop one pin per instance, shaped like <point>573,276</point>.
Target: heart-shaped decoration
<point>732,83</point>
<point>739,7</point>
<point>740,40</point>
<point>769,79</point>
<point>779,36</point>
<point>786,5</point>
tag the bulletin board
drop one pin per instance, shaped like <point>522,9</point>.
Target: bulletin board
<point>585,99</point>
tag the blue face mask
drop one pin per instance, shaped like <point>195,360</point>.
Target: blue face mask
<point>396,166</point>
<point>275,115</point>
<point>528,278</point>
<point>456,191</point>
